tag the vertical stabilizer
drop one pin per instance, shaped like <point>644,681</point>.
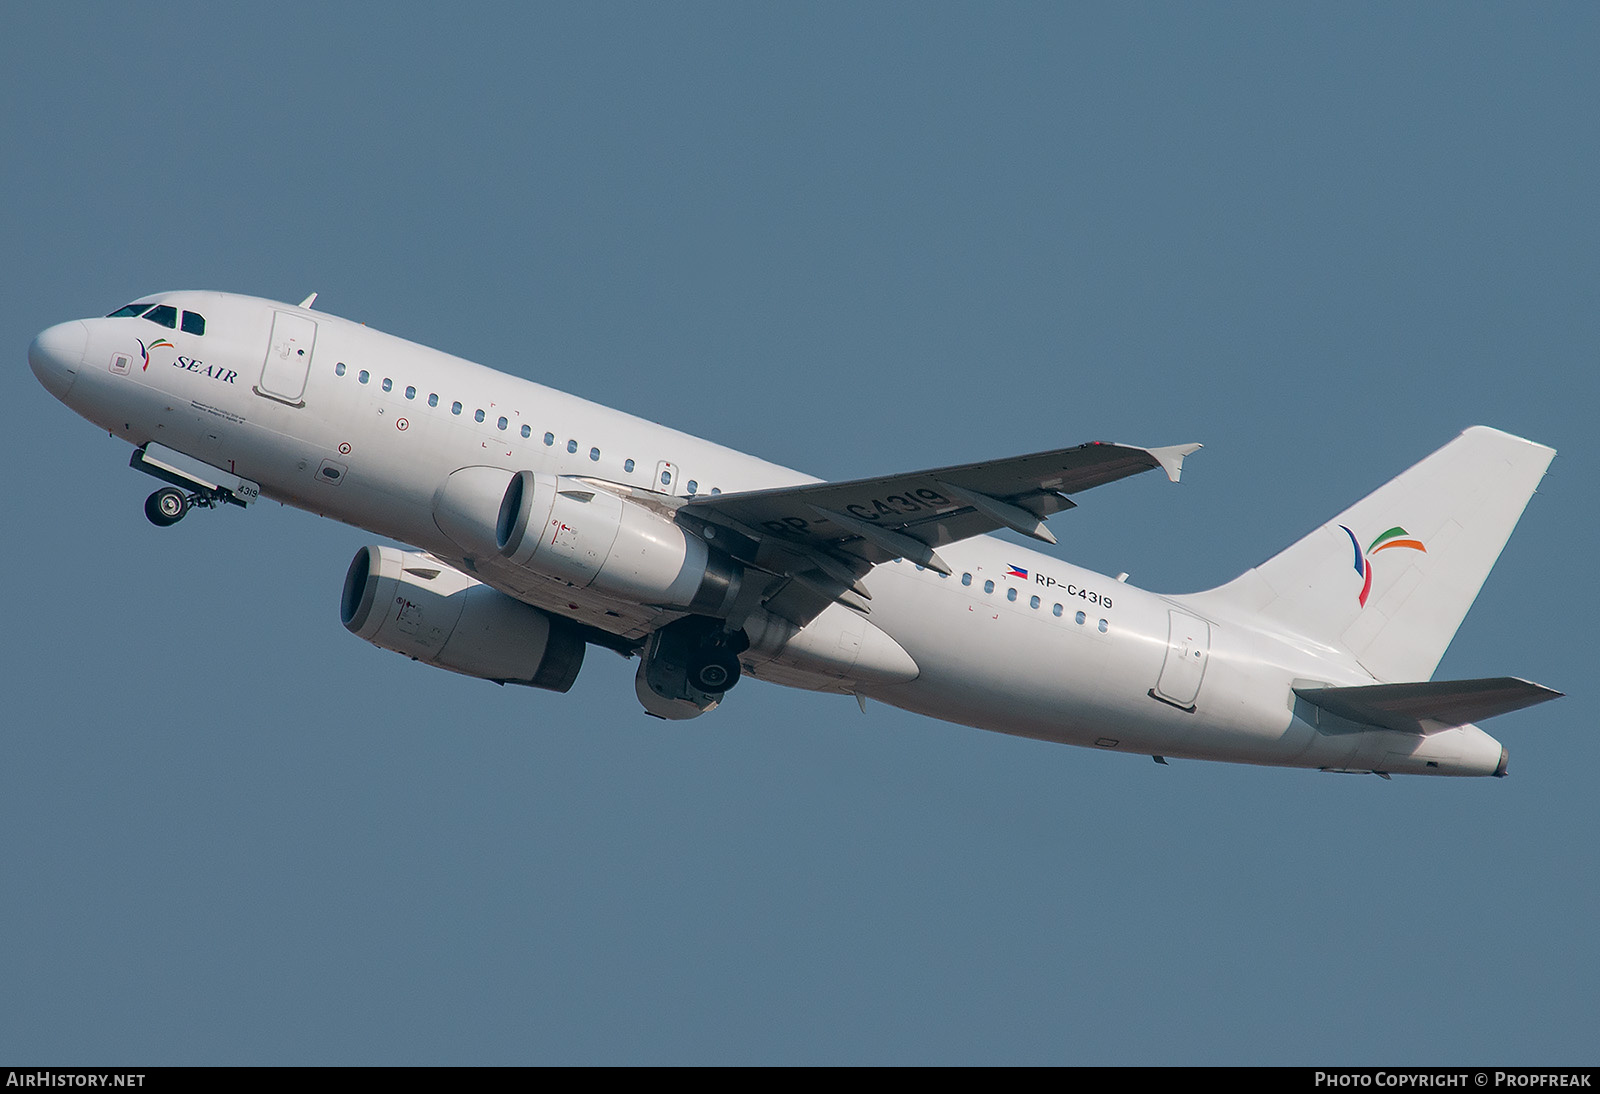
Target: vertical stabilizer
<point>1390,579</point>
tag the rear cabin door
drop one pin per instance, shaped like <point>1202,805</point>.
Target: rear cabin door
<point>1188,647</point>
<point>288,363</point>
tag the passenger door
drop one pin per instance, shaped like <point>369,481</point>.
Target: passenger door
<point>1188,648</point>
<point>288,363</point>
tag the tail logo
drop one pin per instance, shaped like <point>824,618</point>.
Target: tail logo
<point>1394,537</point>
<point>144,350</point>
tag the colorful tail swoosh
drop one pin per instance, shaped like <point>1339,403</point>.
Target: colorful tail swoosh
<point>1394,537</point>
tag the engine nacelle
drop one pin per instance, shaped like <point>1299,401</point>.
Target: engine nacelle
<point>414,604</point>
<point>594,539</point>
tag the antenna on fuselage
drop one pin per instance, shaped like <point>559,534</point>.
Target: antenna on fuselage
<point>308,301</point>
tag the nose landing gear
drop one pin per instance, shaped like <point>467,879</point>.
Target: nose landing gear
<point>193,484</point>
<point>168,505</point>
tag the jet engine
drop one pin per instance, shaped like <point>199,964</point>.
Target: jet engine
<point>414,604</point>
<point>589,537</point>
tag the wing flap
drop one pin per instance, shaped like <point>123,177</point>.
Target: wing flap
<point>1430,706</point>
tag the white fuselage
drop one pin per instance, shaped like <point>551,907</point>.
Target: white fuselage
<point>1062,654</point>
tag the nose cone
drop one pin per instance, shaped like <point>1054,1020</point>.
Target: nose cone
<point>56,355</point>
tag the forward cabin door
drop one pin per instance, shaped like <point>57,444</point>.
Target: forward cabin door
<point>288,363</point>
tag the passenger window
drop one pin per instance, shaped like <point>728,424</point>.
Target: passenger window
<point>1056,611</point>
<point>527,431</point>
<point>477,415</point>
<point>388,384</point>
<point>433,399</point>
<point>718,490</point>
<point>1011,595</point>
<point>594,454</point>
<point>966,579</point>
<point>363,376</point>
<point>572,446</point>
<point>411,392</point>
<point>627,465</point>
<point>1103,626</point>
<point>549,439</point>
<point>988,586</point>
<point>694,488</point>
<point>338,370</point>
<point>666,478</point>
<point>1034,602</point>
<point>502,423</point>
<point>164,314</point>
<point>455,408</point>
<point>1078,619</point>
<point>194,323</point>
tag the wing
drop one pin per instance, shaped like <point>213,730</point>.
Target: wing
<point>818,540</point>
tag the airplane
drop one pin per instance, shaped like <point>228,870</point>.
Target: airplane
<point>540,524</point>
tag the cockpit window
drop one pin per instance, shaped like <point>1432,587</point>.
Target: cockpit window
<point>194,323</point>
<point>130,310</point>
<point>164,314</point>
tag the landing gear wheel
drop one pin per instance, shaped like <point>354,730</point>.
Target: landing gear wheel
<point>166,507</point>
<point>714,670</point>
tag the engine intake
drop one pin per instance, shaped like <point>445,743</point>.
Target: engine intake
<point>414,604</point>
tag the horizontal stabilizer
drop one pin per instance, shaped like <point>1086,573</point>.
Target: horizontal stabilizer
<point>1431,706</point>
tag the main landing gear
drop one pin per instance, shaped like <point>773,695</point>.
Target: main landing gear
<point>688,666</point>
<point>713,665</point>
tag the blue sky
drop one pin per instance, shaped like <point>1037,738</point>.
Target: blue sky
<point>853,239</point>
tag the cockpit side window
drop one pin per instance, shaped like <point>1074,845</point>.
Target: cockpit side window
<point>194,323</point>
<point>130,310</point>
<point>164,314</point>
